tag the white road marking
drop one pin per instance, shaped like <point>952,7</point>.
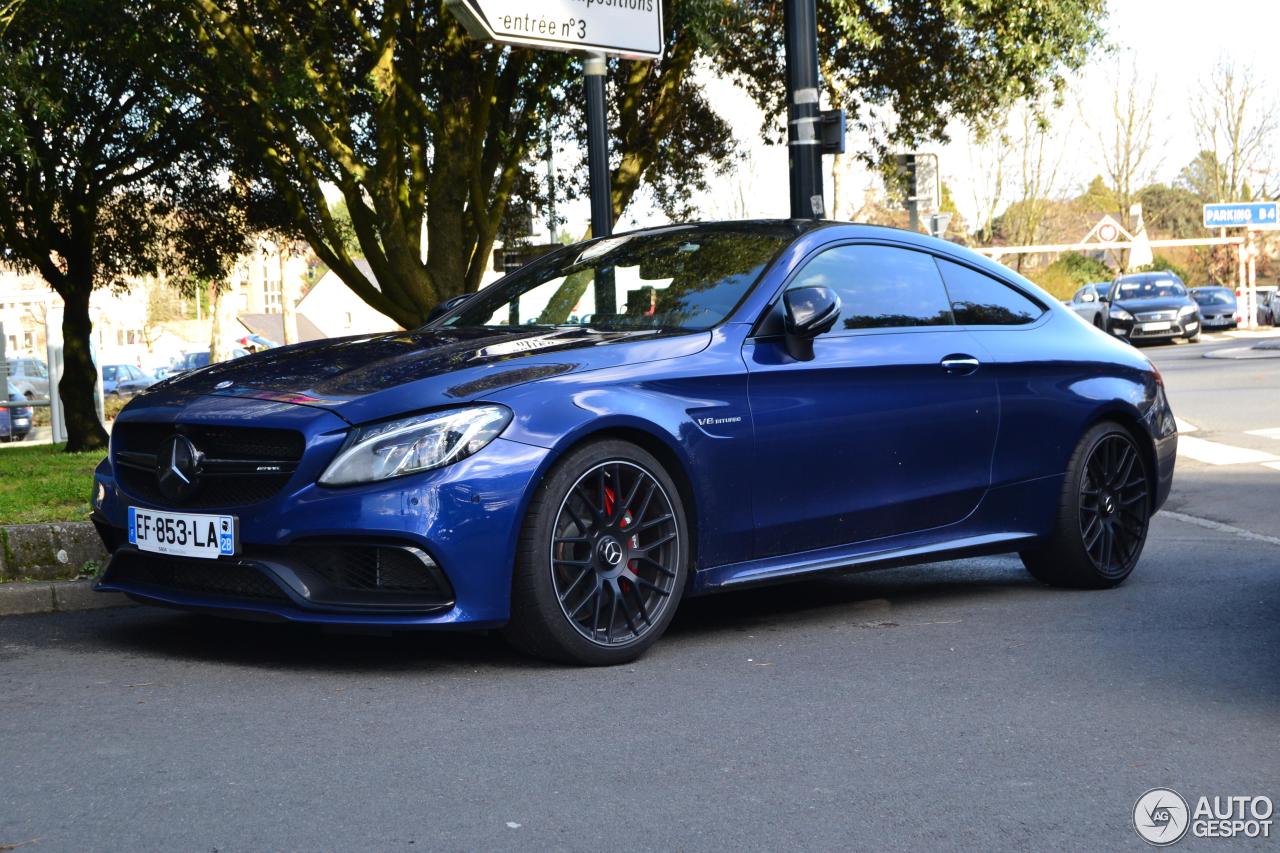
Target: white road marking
<point>1273,432</point>
<point>1218,526</point>
<point>1274,466</point>
<point>1185,426</point>
<point>1213,453</point>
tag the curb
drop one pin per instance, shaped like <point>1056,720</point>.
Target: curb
<point>49,551</point>
<point>21,599</point>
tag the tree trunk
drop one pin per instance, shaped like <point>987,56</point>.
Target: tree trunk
<point>288,290</point>
<point>79,376</point>
<point>839,165</point>
<point>217,351</point>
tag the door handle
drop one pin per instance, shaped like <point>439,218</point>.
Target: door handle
<point>960,364</point>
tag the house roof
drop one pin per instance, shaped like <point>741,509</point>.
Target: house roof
<point>271,327</point>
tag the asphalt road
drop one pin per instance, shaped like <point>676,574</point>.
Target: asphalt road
<point>951,706</point>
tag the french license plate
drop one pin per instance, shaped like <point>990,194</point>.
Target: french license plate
<point>1156,327</point>
<point>183,534</point>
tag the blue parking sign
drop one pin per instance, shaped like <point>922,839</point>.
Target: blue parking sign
<point>1242,214</point>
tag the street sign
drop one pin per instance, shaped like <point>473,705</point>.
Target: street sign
<point>626,27</point>
<point>928,190</point>
<point>1251,214</point>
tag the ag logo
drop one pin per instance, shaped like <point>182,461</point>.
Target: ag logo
<point>1160,816</point>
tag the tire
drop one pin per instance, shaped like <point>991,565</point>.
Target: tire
<point>602,560</point>
<point>1193,339</point>
<point>1098,324</point>
<point>1103,513</point>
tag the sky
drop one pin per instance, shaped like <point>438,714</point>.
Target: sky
<point>1173,42</point>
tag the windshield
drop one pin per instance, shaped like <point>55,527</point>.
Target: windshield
<point>675,278</point>
<point>1213,297</point>
<point>1149,288</point>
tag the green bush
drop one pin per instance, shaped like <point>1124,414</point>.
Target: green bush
<point>1064,276</point>
<point>1160,263</point>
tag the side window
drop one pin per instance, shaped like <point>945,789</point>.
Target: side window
<point>880,287</point>
<point>980,300</point>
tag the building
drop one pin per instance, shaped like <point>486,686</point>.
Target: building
<point>336,310</point>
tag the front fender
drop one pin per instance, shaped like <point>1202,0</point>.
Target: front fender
<point>696,407</point>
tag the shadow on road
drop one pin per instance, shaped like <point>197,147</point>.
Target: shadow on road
<point>856,598</point>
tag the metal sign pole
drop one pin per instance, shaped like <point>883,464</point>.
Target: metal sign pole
<point>800,25</point>
<point>594,68</point>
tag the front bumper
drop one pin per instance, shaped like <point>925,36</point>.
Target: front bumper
<point>1140,330</point>
<point>463,519</point>
<point>1220,321</point>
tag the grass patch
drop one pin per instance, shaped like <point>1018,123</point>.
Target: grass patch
<point>42,483</point>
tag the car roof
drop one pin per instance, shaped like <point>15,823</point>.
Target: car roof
<point>1163,275</point>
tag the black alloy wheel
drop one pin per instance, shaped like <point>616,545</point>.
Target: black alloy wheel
<point>602,560</point>
<point>615,553</point>
<point>1113,505</point>
<point>1103,514</point>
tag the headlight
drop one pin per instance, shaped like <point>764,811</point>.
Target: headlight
<point>1186,311</point>
<point>419,443</point>
<point>1120,314</point>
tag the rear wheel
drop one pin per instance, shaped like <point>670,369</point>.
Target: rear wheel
<point>1103,513</point>
<point>602,560</point>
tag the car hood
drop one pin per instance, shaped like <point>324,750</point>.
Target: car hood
<point>366,378</point>
<point>1161,303</point>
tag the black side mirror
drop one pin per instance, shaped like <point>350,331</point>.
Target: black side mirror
<point>808,312</point>
<point>447,306</point>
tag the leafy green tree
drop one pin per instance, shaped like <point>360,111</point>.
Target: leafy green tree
<point>1172,211</point>
<point>1099,197</point>
<point>905,70</point>
<point>105,173</point>
<point>429,135</point>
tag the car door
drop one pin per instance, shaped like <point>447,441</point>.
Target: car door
<point>889,428</point>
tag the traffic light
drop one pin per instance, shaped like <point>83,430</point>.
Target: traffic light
<point>906,172</point>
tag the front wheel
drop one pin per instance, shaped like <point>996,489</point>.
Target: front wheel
<point>602,560</point>
<point>1103,512</point>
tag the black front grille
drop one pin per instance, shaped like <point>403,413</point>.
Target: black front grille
<point>326,575</point>
<point>215,578</point>
<point>232,457</point>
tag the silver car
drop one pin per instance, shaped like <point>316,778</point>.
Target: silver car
<point>30,376</point>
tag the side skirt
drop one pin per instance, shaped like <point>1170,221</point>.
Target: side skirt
<point>776,569</point>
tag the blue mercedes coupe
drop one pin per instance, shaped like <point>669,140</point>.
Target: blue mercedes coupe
<point>570,452</point>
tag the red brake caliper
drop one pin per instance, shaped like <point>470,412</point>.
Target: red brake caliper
<point>622,524</point>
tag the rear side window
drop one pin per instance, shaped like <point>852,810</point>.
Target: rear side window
<point>880,287</point>
<point>980,300</point>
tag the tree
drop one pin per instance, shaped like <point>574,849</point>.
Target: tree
<point>105,173</point>
<point>1128,139</point>
<point>1173,211</point>
<point>905,71</point>
<point>1038,158</point>
<point>1099,197</point>
<point>429,135</point>
<point>426,133</point>
<point>990,151</point>
<point>1235,122</point>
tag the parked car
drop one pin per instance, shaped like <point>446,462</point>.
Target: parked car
<point>124,380</point>
<point>31,376</point>
<point>1217,306</point>
<point>1089,302</point>
<point>1151,306</point>
<point>750,402</point>
<point>200,358</point>
<point>1269,307</point>
<point>15,423</point>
